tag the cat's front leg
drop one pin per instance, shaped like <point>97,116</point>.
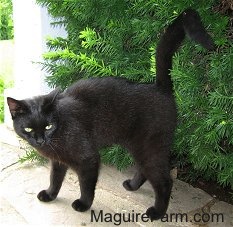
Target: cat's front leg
<point>57,174</point>
<point>88,175</point>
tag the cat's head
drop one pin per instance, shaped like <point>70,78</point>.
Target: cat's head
<point>35,120</point>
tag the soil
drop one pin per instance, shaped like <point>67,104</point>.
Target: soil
<point>211,187</point>
<point>215,190</point>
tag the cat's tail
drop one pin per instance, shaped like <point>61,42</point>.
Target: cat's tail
<point>188,22</point>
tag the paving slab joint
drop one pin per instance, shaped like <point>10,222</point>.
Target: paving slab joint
<point>202,215</point>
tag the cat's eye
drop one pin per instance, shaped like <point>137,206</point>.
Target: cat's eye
<point>27,129</point>
<point>48,126</point>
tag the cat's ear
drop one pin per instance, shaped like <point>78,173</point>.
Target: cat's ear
<point>53,94</point>
<point>16,107</point>
<point>50,99</point>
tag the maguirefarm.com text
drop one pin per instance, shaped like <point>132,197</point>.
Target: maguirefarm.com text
<point>132,217</point>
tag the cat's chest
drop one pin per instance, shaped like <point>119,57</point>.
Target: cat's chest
<point>53,152</point>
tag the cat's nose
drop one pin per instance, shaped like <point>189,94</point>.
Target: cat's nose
<point>40,141</point>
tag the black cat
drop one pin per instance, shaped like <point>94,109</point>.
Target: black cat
<point>70,127</point>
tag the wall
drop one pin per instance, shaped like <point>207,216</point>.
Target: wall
<point>32,24</point>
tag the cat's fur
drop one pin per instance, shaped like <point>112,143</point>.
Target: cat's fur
<point>70,127</point>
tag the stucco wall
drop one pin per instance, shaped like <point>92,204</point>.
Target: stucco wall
<point>31,27</point>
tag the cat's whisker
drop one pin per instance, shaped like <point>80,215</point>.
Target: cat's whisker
<point>55,140</point>
<point>54,149</point>
<point>57,146</point>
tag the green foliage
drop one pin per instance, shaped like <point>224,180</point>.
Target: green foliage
<point>118,37</point>
<point>6,22</point>
<point>205,131</point>
<point>6,66</point>
<point>116,156</point>
<point>32,156</point>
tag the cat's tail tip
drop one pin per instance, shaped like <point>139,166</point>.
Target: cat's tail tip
<point>195,29</point>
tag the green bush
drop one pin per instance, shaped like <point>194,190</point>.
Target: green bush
<point>6,22</point>
<point>205,132</point>
<point>118,37</point>
<point>6,33</point>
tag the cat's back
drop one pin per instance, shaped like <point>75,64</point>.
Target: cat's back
<point>100,86</point>
<point>112,94</point>
<point>110,87</point>
<point>114,109</point>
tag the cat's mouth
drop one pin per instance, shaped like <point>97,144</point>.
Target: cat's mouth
<point>40,142</point>
<point>45,143</point>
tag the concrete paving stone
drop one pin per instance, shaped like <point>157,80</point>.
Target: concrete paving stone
<point>8,215</point>
<point>21,189</point>
<point>20,184</point>
<point>226,219</point>
<point>181,189</point>
<point>8,136</point>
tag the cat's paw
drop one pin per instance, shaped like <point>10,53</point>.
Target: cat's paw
<point>153,214</point>
<point>80,206</point>
<point>127,186</point>
<point>45,197</point>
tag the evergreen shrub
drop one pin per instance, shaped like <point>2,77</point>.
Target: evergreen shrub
<point>6,21</point>
<point>118,38</point>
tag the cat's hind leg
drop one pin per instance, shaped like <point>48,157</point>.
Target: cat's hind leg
<point>154,163</point>
<point>157,171</point>
<point>162,191</point>
<point>135,183</point>
<point>57,174</point>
